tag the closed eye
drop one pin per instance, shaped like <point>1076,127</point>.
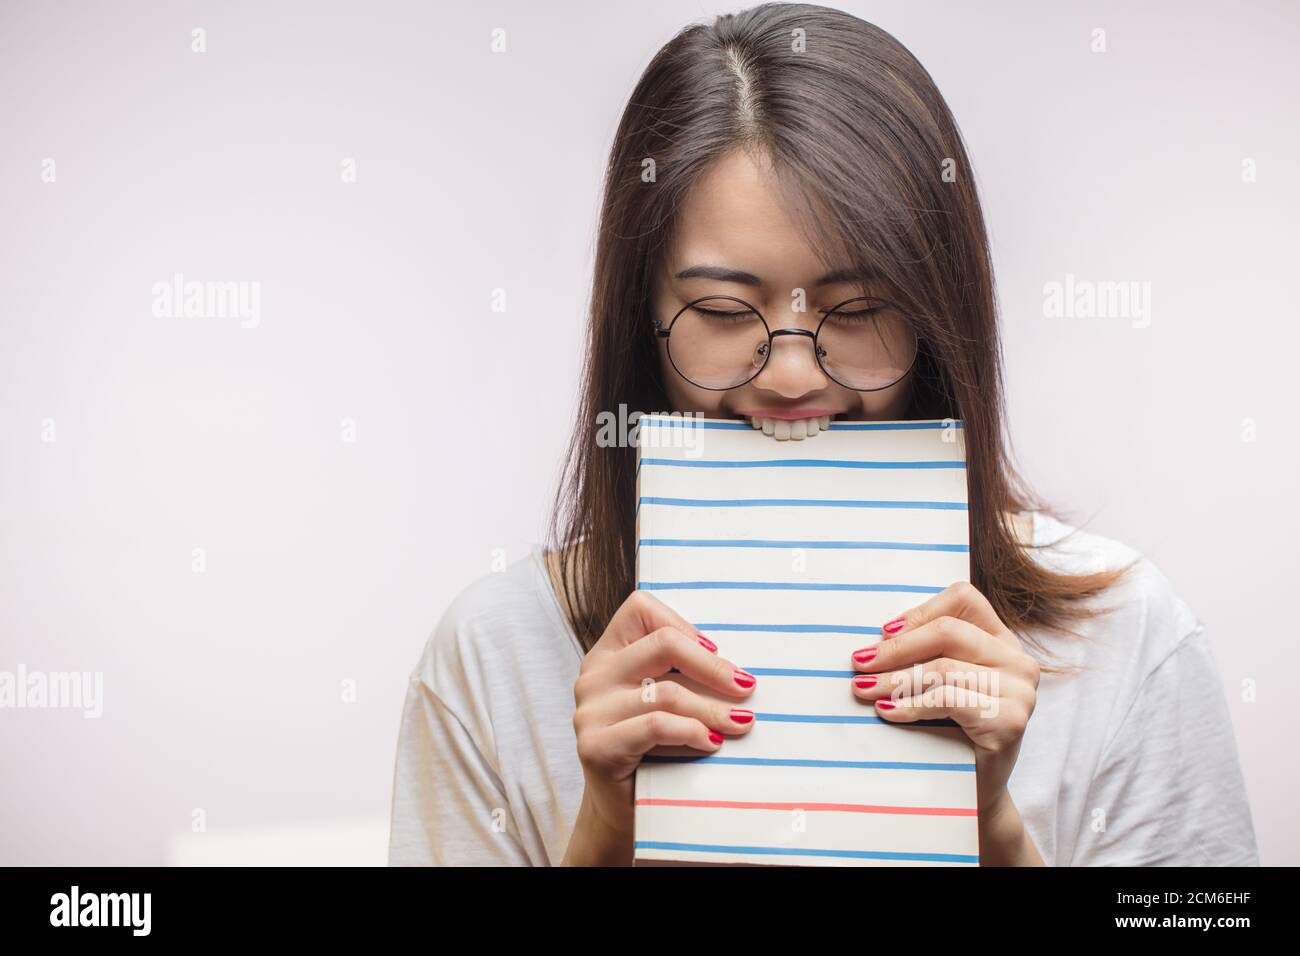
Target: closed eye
<point>865,311</point>
<point>856,315</point>
<point>722,315</point>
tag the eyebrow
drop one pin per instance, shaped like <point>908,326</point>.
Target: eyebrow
<point>723,274</point>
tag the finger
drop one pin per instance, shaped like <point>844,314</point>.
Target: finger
<point>970,709</point>
<point>918,678</point>
<point>641,614</point>
<point>631,738</point>
<point>676,698</point>
<point>960,600</point>
<point>660,651</point>
<point>942,637</point>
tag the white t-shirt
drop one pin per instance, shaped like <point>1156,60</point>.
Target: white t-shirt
<point>1131,762</point>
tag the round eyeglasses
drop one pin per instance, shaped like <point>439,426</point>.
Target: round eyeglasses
<point>720,342</point>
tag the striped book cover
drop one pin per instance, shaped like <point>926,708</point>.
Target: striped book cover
<point>790,556</point>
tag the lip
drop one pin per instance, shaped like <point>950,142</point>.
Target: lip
<point>789,414</point>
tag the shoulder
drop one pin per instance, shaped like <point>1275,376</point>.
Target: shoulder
<point>500,622</point>
<point>1142,618</point>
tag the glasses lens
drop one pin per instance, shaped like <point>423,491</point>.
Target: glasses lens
<point>866,344</point>
<point>718,342</point>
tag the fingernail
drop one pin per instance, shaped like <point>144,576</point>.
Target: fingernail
<point>894,626</point>
<point>864,681</point>
<point>708,644</point>
<point>715,737</point>
<point>866,655</point>
<point>743,679</point>
<point>742,716</point>
<point>886,704</point>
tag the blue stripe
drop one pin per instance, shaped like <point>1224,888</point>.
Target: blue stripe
<point>819,718</point>
<point>852,719</point>
<point>796,672</point>
<point>800,503</point>
<point>783,586</point>
<point>891,426</point>
<point>820,545</point>
<point>809,851</point>
<point>792,628</point>
<point>798,463</point>
<point>683,422</point>
<point>798,762</point>
<point>692,423</point>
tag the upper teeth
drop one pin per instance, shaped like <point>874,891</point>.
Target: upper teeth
<point>783,430</point>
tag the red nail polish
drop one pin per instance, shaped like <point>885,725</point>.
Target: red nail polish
<point>894,626</point>
<point>865,681</point>
<point>886,704</point>
<point>866,655</point>
<point>708,644</point>
<point>743,679</point>
<point>742,716</point>
<point>715,737</point>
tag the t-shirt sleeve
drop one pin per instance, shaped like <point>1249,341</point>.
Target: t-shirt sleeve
<point>449,808</point>
<point>1168,790</point>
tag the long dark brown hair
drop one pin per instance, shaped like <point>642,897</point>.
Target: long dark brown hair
<point>872,164</point>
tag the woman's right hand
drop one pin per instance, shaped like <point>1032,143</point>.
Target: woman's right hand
<point>627,702</point>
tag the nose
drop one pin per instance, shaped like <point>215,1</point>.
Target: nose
<point>792,369</point>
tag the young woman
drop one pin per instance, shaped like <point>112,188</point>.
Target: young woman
<point>801,162</point>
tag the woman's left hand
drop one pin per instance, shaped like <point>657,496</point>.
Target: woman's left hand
<point>953,657</point>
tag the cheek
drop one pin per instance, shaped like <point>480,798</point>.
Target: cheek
<point>685,397</point>
<point>889,403</point>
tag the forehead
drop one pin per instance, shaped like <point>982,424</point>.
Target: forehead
<point>735,217</point>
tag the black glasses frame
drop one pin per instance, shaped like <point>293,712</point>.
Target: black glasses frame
<point>818,351</point>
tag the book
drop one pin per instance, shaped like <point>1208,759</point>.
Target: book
<point>790,556</point>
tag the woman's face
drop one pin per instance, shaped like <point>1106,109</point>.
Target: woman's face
<point>734,226</point>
